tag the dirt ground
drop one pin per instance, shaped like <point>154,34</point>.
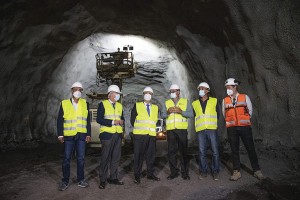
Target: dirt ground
<point>34,173</point>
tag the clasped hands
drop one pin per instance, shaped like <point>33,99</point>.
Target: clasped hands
<point>62,140</point>
<point>118,122</point>
<point>174,110</point>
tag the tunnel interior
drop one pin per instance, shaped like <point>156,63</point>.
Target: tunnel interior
<point>46,45</point>
<point>212,40</point>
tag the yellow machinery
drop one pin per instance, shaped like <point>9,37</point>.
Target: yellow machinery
<point>113,68</point>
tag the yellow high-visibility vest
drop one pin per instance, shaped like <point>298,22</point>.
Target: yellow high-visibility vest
<point>174,120</point>
<point>112,114</point>
<point>145,124</point>
<point>74,120</point>
<point>207,120</point>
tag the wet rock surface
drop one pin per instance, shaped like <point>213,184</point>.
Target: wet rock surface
<point>255,41</point>
<point>45,45</point>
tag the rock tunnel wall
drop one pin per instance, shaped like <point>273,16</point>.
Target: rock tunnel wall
<point>256,41</point>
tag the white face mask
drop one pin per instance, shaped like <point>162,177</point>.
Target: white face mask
<point>117,97</point>
<point>147,97</point>
<point>173,95</point>
<point>77,94</point>
<point>229,92</point>
<point>201,93</point>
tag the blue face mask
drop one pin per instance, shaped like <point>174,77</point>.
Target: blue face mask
<point>201,93</point>
<point>117,97</point>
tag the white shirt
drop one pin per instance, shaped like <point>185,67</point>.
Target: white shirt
<point>248,102</point>
<point>75,105</point>
<point>149,106</point>
<point>112,103</point>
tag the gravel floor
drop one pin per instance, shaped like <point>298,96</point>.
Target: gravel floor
<point>35,174</point>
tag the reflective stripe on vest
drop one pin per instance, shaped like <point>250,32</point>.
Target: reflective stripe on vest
<point>145,124</point>
<point>112,114</point>
<point>176,121</point>
<point>112,117</point>
<point>74,120</point>
<point>207,120</point>
<point>238,115</point>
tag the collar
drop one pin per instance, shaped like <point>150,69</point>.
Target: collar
<point>175,102</point>
<point>236,96</point>
<point>73,101</point>
<point>205,100</point>
<point>111,101</point>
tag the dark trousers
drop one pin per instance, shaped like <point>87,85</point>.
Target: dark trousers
<point>110,157</point>
<point>177,141</point>
<point>245,133</point>
<point>144,149</point>
<point>70,143</point>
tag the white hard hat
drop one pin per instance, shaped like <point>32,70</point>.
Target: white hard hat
<point>231,81</point>
<point>148,89</point>
<point>114,88</point>
<point>77,84</point>
<point>174,87</point>
<point>203,84</point>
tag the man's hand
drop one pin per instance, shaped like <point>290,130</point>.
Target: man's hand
<point>61,139</point>
<point>174,110</point>
<point>170,110</point>
<point>177,110</point>
<point>88,139</point>
<point>118,122</point>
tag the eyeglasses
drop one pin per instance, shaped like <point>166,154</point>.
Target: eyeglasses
<point>77,89</point>
<point>173,91</point>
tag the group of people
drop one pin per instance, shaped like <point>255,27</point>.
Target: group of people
<point>74,130</point>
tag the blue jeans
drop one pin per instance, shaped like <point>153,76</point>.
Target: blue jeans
<point>70,143</point>
<point>208,138</point>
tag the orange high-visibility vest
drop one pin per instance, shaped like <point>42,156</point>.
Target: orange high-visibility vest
<point>238,115</point>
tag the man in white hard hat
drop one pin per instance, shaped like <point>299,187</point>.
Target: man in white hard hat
<point>177,110</point>
<point>206,123</point>
<point>111,120</point>
<point>237,111</point>
<point>144,116</point>
<point>74,131</point>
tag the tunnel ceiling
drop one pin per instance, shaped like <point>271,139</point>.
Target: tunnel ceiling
<point>257,41</point>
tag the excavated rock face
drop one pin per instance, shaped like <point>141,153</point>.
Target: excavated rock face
<point>256,41</point>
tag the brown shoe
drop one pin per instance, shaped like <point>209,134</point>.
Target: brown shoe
<point>257,174</point>
<point>236,175</point>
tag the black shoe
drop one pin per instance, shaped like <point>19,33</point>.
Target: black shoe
<point>172,176</point>
<point>144,173</point>
<point>186,177</point>
<point>115,181</point>
<point>102,185</point>
<point>152,177</point>
<point>137,181</point>
<point>63,186</point>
